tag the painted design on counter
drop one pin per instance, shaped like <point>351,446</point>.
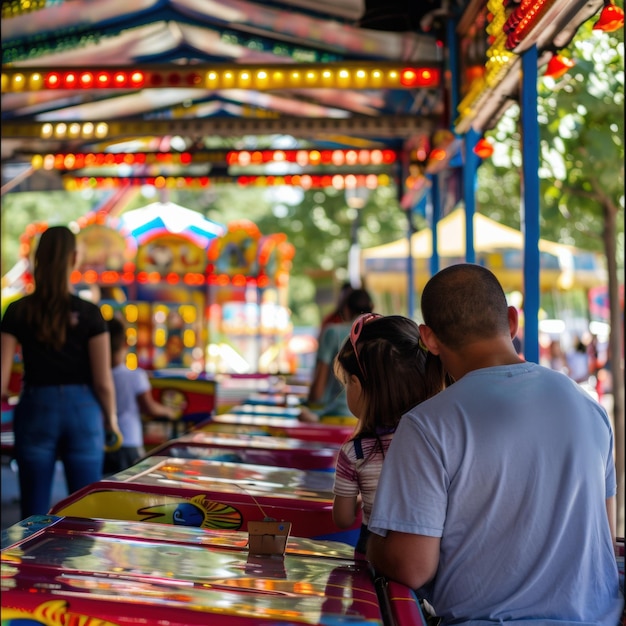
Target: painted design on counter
<point>198,511</point>
<point>52,613</point>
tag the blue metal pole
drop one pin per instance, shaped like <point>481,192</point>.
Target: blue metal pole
<point>470,166</point>
<point>403,167</point>
<point>410,274</point>
<point>453,63</point>
<point>435,203</point>
<point>530,202</point>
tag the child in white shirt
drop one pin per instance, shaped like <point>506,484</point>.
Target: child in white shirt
<point>134,398</point>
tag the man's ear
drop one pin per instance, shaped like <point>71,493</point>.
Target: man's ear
<point>429,338</point>
<point>513,321</point>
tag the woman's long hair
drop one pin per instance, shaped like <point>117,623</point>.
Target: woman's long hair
<point>399,372</point>
<point>48,309</point>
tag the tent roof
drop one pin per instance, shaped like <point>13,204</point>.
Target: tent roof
<point>497,246</point>
<point>489,236</point>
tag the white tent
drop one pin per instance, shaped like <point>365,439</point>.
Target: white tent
<point>498,247</point>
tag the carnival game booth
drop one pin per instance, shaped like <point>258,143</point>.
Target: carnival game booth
<point>198,299</point>
<point>214,495</point>
<point>67,570</point>
<point>192,396</point>
<point>248,316</point>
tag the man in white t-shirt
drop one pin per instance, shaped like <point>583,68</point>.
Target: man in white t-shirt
<point>497,496</point>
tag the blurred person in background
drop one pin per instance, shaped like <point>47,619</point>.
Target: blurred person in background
<point>577,360</point>
<point>133,394</point>
<point>327,396</point>
<point>335,316</point>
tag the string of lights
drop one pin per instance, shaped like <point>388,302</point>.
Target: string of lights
<point>225,76</point>
<point>305,181</point>
<point>243,158</point>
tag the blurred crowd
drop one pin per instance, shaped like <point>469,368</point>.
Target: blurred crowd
<point>585,359</point>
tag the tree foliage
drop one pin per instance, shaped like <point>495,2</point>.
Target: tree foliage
<point>582,141</point>
<point>24,208</point>
<point>581,118</point>
<point>581,121</point>
<point>317,222</point>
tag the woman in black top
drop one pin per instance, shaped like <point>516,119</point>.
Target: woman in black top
<point>67,400</point>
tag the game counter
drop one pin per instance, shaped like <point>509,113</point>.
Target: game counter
<point>252,449</point>
<point>266,410</point>
<point>213,495</point>
<point>274,399</point>
<point>278,427</point>
<point>61,570</point>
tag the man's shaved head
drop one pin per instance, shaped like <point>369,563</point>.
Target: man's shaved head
<point>464,303</point>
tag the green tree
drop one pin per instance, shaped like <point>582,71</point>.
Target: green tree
<point>583,148</point>
<point>23,208</point>
<point>581,117</point>
<point>317,222</point>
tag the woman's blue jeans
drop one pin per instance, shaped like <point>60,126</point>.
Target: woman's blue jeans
<point>56,422</point>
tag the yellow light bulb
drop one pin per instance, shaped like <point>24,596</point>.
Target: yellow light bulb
<point>36,81</point>
<point>212,80</point>
<point>18,82</point>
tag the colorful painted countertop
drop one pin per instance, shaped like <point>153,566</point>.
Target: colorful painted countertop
<point>256,449</point>
<point>62,570</point>
<point>214,495</point>
<point>278,427</point>
<point>266,410</point>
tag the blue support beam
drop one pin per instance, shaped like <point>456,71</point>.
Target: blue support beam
<point>410,273</point>
<point>403,173</point>
<point>470,167</point>
<point>435,214</point>
<point>419,208</point>
<point>530,202</point>
<point>452,40</point>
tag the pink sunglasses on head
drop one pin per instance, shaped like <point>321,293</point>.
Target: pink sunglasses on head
<point>355,333</point>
